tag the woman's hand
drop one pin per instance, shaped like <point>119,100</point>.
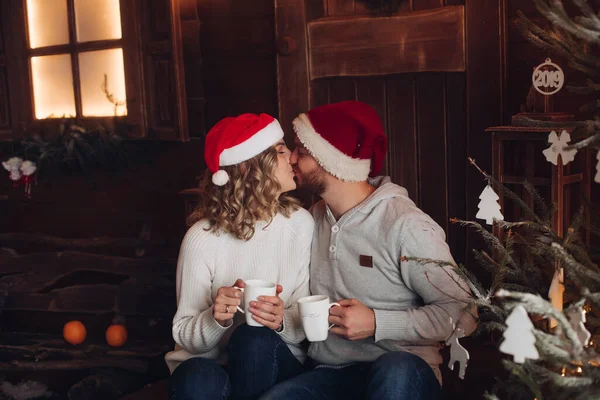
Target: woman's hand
<point>226,302</point>
<point>268,310</point>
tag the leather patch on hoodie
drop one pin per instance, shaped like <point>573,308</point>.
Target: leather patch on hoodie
<point>365,261</point>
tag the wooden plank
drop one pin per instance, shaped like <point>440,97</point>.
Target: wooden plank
<point>456,128</point>
<point>426,4</point>
<point>85,298</point>
<point>56,264</point>
<point>402,134</point>
<point>315,9</point>
<point>292,69</point>
<point>340,7</point>
<point>342,89</point>
<point>244,38</point>
<point>372,92</point>
<point>431,125</point>
<point>360,7</point>
<point>71,365</point>
<point>319,93</point>
<point>165,77</point>
<point>67,243</point>
<point>484,95</point>
<point>208,9</point>
<point>431,40</point>
<point>192,57</point>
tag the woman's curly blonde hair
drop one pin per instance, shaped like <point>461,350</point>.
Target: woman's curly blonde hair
<point>252,194</point>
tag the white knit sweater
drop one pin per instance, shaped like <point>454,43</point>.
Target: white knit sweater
<point>278,252</point>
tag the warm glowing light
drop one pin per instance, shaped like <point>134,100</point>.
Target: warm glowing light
<point>579,370</point>
<point>564,370</point>
<point>48,23</point>
<point>93,65</point>
<point>97,20</point>
<point>586,308</point>
<point>53,93</point>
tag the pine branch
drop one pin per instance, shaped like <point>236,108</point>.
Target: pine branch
<point>472,282</point>
<point>591,87</point>
<point>588,14</point>
<point>583,273</point>
<point>507,192</point>
<point>558,380</point>
<point>540,203</point>
<point>555,13</point>
<point>441,264</point>
<point>535,226</point>
<point>536,305</point>
<point>550,347</point>
<point>593,298</point>
<point>587,142</point>
<point>490,239</point>
<point>491,326</point>
<point>515,287</point>
<point>490,396</point>
<point>524,377</point>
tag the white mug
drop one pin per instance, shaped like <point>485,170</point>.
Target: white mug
<point>255,288</point>
<point>314,311</point>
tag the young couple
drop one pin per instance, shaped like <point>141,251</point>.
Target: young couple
<point>392,315</point>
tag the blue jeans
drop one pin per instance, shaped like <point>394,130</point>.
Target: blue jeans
<point>258,359</point>
<point>395,375</point>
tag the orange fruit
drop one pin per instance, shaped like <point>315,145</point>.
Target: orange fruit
<point>116,335</point>
<point>74,332</point>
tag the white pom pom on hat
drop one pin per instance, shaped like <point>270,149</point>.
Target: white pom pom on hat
<point>236,139</point>
<point>220,178</point>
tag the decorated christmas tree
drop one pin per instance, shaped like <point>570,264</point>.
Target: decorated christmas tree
<point>548,363</point>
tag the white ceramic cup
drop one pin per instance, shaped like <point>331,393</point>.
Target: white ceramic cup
<point>254,288</point>
<point>314,311</point>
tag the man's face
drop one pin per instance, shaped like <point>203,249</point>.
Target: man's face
<point>308,173</point>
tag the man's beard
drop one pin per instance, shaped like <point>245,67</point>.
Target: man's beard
<point>314,182</point>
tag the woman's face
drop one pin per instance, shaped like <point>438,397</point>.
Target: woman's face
<point>283,171</point>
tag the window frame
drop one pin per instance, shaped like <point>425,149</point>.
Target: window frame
<point>153,40</point>
<point>132,64</point>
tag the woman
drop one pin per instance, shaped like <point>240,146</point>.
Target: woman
<point>245,228</point>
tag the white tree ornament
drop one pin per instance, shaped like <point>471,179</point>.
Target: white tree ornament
<point>488,206</point>
<point>519,340</point>
<point>577,319</point>
<point>457,352</point>
<point>557,147</point>
<point>597,177</point>
<point>548,78</point>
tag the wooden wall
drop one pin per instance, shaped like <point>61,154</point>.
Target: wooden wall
<point>236,68</point>
<point>434,121</point>
<point>238,57</point>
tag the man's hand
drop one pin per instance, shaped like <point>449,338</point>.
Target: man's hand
<point>353,320</point>
<point>268,310</point>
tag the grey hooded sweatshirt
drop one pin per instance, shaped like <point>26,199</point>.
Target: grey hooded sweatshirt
<point>358,256</point>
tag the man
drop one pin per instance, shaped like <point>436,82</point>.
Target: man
<point>393,312</point>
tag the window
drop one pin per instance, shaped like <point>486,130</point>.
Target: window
<point>76,58</point>
<point>93,60</point>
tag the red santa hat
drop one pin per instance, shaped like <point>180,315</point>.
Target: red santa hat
<point>236,139</point>
<point>345,138</point>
